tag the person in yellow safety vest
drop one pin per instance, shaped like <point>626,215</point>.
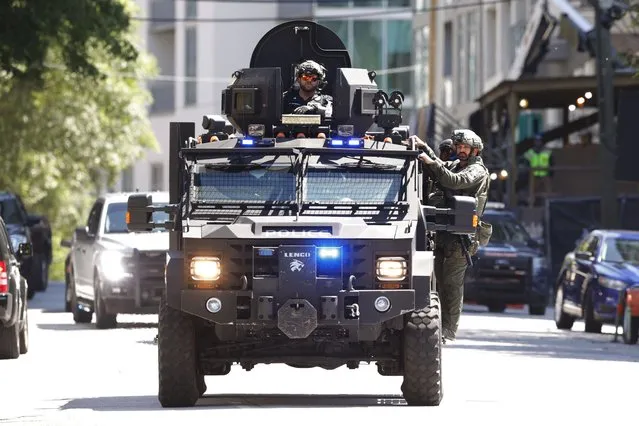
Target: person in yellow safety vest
<point>541,161</point>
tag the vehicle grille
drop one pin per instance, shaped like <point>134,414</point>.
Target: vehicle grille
<point>358,261</point>
<point>149,269</point>
<point>508,274</point>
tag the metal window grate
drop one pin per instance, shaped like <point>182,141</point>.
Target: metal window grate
<point>362,187</point>
<point>260,185</point>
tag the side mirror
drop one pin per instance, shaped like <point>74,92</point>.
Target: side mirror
<point>82,233</point>
<point>139,214</point>
<point>460,219</point>
<point>584,255</point>
<point>65,243</point>
<point>24,250</point>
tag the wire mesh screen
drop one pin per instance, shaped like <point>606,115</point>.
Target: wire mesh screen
<point>260,184</point>
<point>337,186</point>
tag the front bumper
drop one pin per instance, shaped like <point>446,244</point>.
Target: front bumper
<point>298,317</point>
<point>605,303</point>
<point>132,296</point>
<point>517,286</point>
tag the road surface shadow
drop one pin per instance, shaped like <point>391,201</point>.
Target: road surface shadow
<point>146,403</point>
<point>552,344</point>
<point>80,327</point>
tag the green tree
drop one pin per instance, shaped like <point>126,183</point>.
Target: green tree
<point>74,115</point>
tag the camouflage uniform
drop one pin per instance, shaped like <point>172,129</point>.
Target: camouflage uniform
<point>450,260</point>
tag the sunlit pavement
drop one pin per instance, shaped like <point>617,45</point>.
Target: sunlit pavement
<point>510,369</point>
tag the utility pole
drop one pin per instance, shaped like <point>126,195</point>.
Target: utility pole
<point>606,12</point>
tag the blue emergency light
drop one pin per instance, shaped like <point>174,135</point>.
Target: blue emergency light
<point>249,142</point>
<point>350,143</point>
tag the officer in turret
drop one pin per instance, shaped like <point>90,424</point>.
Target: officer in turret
<point>305,97</point>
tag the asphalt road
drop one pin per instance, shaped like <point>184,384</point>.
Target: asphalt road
<point>509,369</point>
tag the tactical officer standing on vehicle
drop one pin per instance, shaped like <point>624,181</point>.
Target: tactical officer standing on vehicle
<point>466,176</point>
<point>308,99</point>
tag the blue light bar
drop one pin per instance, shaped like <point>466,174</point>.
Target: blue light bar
<point>356,142</point>
<point>328,252</point>
<point>336,142</point>
<point>247,142</point>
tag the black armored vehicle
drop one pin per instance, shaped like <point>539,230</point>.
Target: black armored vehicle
<point>291,247</point>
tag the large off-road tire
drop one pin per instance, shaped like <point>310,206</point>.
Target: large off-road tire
<point>563,321</point>
<point>630,327</point>
<point>10,341</point>
<point>422,355</point>
<point>179,382</point>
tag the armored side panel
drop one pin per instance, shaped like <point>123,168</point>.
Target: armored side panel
<point>290,43</point>
<point>353,98</point>
<point>179,132</point>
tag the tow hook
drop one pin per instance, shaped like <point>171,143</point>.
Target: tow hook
<point>352,311</point>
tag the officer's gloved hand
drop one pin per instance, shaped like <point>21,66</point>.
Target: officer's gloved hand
<point>304,109</point>
<point>421,145</point>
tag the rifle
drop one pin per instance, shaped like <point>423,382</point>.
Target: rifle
<point>464,241</point>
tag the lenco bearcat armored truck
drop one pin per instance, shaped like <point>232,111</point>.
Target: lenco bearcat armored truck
<point>298,238</point>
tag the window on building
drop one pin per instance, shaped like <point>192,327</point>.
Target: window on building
<point>157,177</point>
<point>420,87</point>
<point>190,85</point>
<point>448,49</point>
<point>367,42</point>
<point>191,9</point>
<point>491,40</point>
<point>460,75</point>
<point>367,3</point>
<point>332,3</point>
<point>473,40</point>
<point>127,179</point>
<point>339,27</point>
<point>399,3</point>
<point>399,54</point>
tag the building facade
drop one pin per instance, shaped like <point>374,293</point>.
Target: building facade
<point>198,45</point>
<point>480,44</point>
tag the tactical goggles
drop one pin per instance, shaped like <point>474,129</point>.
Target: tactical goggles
<point>309,77</point>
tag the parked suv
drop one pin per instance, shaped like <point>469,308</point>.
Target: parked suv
<point>511,270</point>
<point>14,326</point>
<point>112,271</point>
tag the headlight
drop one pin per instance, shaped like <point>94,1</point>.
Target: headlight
<point>539,263</point>
<point>112,265</point>
<point>391,268</point>
<point>612,284</point>
<point>16,240</point>
<point>205,268</point>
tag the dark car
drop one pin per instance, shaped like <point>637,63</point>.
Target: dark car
<point>28,228</point>
<point>14,326</point>
<point>511,270</point>
<point>594,277</point>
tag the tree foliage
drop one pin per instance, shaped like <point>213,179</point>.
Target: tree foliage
<point>74,115</point>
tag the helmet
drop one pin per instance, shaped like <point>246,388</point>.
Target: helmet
<point>311,67</point>
<point>446,143</point>
<point>467,137</point>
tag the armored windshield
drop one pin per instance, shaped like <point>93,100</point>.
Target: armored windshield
<point>246,178</point>
<point>361,180</point>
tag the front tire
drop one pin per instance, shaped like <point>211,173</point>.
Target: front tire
<point>563,321</point>
<point>179,381</point>
<point>422,355</point>
<point>630,327</point>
